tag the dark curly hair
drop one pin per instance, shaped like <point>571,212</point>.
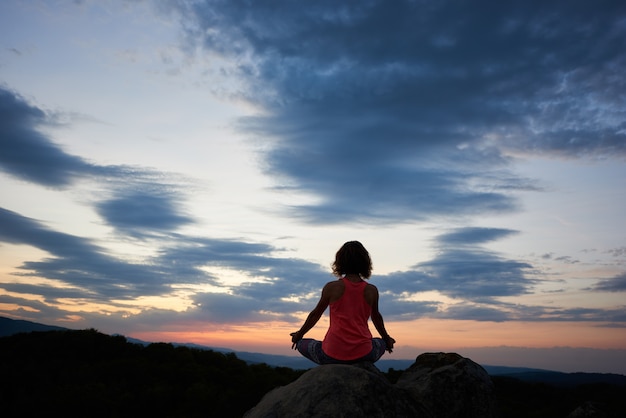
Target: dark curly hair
<point>353,258</point>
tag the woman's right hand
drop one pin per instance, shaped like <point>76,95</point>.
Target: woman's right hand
<point>295,337</point>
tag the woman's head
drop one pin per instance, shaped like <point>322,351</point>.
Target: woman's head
<point>353,258</point>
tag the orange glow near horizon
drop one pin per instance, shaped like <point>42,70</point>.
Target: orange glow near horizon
<point>412,337</point>
<point>445,334</point>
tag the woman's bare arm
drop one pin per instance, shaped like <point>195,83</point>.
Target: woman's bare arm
<point>371,297</point>
<point>315,315</point>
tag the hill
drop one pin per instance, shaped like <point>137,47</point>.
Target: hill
<point>11,326</point>
<point>87,373</point>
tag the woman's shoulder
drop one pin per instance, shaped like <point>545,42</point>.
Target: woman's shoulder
<point>334,283</point>
<point>334,289</point>
<point>370,288</point>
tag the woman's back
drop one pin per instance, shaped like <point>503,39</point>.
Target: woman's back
<point>348,336</point>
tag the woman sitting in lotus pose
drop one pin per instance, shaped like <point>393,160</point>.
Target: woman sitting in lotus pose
<point>352,302</point>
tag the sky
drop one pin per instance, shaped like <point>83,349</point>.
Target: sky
<point>185,170</point>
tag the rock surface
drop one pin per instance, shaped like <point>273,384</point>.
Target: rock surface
<point>449,385</point>
<point>436,385</point>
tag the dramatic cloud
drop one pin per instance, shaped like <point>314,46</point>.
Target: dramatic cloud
<point>413,108</point>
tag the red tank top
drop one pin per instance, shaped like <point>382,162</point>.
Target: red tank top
<point>348,336</point>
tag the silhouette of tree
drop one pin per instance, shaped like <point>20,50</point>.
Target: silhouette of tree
<point>78,373</point>
<point>87,373</point>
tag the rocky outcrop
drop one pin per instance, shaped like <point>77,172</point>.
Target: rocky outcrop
<point>449,385</point>
<point>437,385</point>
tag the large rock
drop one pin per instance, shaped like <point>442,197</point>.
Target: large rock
<point>449,386</point>
<point>436,385</point>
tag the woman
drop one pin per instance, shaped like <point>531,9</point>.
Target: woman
<point>352,302</point>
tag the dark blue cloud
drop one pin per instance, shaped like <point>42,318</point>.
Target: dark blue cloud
<point>28,154</point>
<point>37,310</point>
<point>463,269</point>
<point>611,315</point>
<point>78,263</point>
<point>278,289</point>
<point>140,202</point>
<point>474,235</point>
<point>614,284</point>
<point>84,271</point>
<point>473,312</point>
<point>227,308</point>
<point>409,110</point>
<point>398,309</point>
<point>186,257</point>
<point>469,274</point>
<point>17,229</point>
<point>143,211</point>
<point>492,310</point>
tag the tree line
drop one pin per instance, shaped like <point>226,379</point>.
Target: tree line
<point>87,373</point>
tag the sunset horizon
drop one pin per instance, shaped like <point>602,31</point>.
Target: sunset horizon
<point>566,358</point>
<point>187,171</point>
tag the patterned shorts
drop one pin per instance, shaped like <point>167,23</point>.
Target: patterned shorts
<point>312,349</point>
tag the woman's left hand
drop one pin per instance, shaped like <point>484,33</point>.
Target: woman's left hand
<point>389,342</point>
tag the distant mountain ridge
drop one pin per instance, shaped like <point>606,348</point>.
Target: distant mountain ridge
<point>277,360</point>
<point>12,326</point>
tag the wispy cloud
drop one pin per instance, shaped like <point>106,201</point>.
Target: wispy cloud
<point>464,269</point>
<point>77,263</point>
<point>80,269</point>
<point>474,235</point>
<point>614,284</point>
